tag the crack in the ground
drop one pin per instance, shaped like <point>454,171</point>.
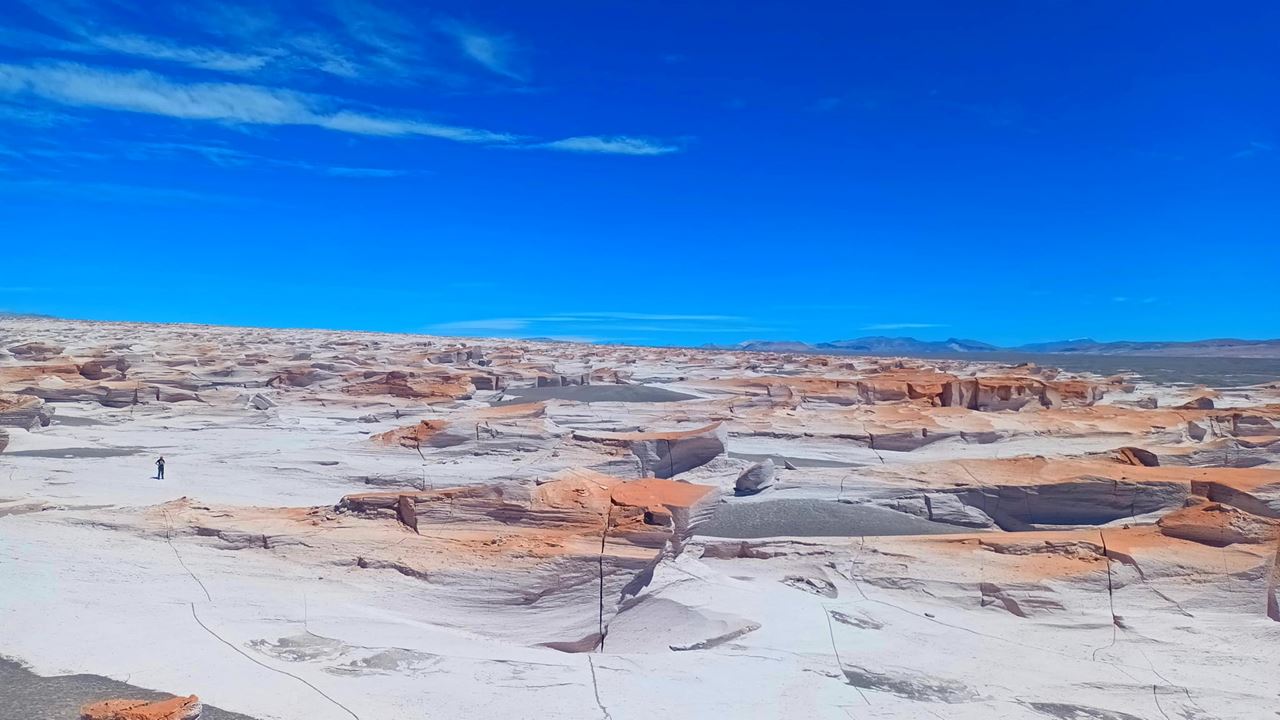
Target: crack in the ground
<point>259,663</point>
<point>595,686</point>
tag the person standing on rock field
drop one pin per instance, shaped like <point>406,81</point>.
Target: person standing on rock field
<point>160,468</point>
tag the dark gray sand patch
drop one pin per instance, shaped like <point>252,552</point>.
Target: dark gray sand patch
<point>1220,372</point>
<point>782,460</point>
<point>27,696</point>
<point>592,393</point>
<point>76,453</point>
<point>800,517</point>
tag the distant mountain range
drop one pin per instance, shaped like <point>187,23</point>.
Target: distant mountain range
<point>880,345</point>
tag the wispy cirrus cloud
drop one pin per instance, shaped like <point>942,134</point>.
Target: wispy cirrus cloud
<point>358,172</point>
<point>192,56</point>
<point>604,316</point>
<point>611,145</point>
<point>587,318</point>
<point>601,325</point>
<point>482,326</point>
<point>496,53</point>
<point>257,48</point>
<point>140,91</point>
<point>358,41</point>
<point>1255,148</point>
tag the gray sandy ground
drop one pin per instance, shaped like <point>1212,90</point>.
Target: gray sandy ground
<point>1216,372</point>
<point>75,453</point>
<point>27,696</point>
<point>593,393</point>
<point>798,517</point>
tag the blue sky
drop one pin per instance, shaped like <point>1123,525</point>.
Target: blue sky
<point>673,173</point>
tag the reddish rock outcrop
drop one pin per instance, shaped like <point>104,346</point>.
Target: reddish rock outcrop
<point>1219,525</point>
<point>412,385</point>
<point>644,512</point>
<point>179,708</point>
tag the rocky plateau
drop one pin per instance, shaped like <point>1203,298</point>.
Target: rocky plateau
<point>374,526</point>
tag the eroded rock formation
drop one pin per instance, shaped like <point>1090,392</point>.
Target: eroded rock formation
<point>368,524</point>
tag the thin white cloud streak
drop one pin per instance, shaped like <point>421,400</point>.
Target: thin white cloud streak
<point>256,39</point>
<point>481,326</point>
<point>599,316</point>
<point>395,40</point>
<point>80,86</point>
<point>901,326</point>
<point>610,145</point>
<point>495,53</point>
<point>359,172</point>
<point>197,57</point>
<point>612,324</point>
<point>1255,148</point>
<point>77,85</point>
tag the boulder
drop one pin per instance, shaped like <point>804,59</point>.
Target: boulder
<point>1137,456</point>
<point>261,402</point>
<point>755,478</point>
<point>187,708</point>
<point>948,508</point>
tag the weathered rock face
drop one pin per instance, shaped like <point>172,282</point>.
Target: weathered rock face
<point>645,512</point>
<point>756,478</point>
<point>1018,392</point>
<point>187,708</point>
<point>666,454</point>
<point>23,411</point>
<point>937,389</point>
<point>412,385</point>
<point>490,428</point>
<point>4,439</point>
<point>36,350</point>
<point>1256,491</point>
<point>1219,525</point>
<point>1026,493</point>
